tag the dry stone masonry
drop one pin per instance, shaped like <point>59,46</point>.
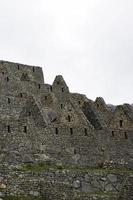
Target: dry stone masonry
<point>58,145</point>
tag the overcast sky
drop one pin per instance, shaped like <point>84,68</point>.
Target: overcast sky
<point>89,42</point>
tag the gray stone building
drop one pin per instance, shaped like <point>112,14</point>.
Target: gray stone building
<point>60,145</point>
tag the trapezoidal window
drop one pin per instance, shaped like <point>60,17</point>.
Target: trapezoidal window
<point>69,118</point>
<point>7,79</point>
<point>98,105</point>
<point>9,129</point>
<point>39,86</point>
<point>61,106</point>
<point>18,67</point>
<point>9,101</point>
<point>75,152</point>
<point>21,95</point>
<point>126,136</point>
<point>33,69</point>
<point>62,89</point>
<point>71,131</point>
<point>56,131</point>
<point>25,129</point>
<point>113,134</point>
<point>85,130</point>
<point>121,123</point>
<point>29,113</point>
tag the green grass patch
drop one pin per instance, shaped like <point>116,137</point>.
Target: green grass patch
<point>21,198</point>
<point>97,194</point>
<point>46,166</point>
<point>101,170</point>
<point>41,166</point>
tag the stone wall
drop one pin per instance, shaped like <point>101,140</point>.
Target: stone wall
<point>66,182</point>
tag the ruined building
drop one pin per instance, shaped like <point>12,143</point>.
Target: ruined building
<point>58,145</point>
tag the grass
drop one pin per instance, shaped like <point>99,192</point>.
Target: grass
<point>97,194</point>
<point>21,198</point>
<point>41,166</point>
<point>44,166</point>
<point>80,194</point>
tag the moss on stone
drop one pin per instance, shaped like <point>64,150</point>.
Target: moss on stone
<point>97,194</point>
<point>22,198</point>
<point>39,167</point>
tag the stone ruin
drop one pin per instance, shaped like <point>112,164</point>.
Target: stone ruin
<point>60,145</point>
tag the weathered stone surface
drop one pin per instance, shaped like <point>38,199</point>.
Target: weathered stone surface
<point>2,186</point>
<point>1,194</point>
<point>112,177</point>
<point>34,193</point>
<point>76,184</point>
